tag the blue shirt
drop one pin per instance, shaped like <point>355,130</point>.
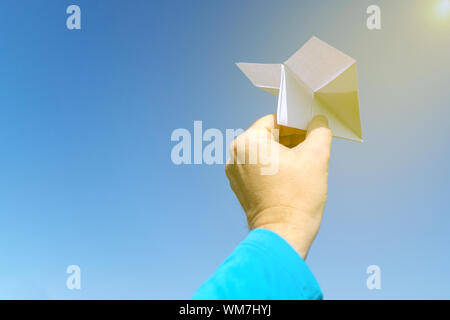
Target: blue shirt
<point>262,267</point>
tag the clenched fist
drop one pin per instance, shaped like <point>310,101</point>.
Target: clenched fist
<point>289,200</point>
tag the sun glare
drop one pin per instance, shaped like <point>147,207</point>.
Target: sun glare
<point>443,8</point>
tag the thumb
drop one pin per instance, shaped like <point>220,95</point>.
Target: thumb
<point>267,124</point>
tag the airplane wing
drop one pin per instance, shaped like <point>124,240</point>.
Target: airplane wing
<point>317,79</point>
<point>264,76</point>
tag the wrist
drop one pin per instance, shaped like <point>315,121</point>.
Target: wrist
<point>297,228</point>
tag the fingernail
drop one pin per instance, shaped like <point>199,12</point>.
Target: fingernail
<point>321,118</point>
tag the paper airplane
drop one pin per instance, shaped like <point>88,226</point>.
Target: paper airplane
<point>317,79</point>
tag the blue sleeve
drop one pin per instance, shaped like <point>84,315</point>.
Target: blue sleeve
<point>262,267</point>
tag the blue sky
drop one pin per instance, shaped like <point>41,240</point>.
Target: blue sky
<point>86,118</point>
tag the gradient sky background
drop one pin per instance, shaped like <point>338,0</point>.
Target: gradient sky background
<point>86,118</point>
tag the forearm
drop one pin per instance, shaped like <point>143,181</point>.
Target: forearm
<point>263,266</point>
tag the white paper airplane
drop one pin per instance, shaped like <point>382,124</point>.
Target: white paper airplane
<point>317,79</point>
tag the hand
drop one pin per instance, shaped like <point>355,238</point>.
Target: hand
<point>291,201</point>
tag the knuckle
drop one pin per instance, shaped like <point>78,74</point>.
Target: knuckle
<point>233,146</point>
<point>227,170</point>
